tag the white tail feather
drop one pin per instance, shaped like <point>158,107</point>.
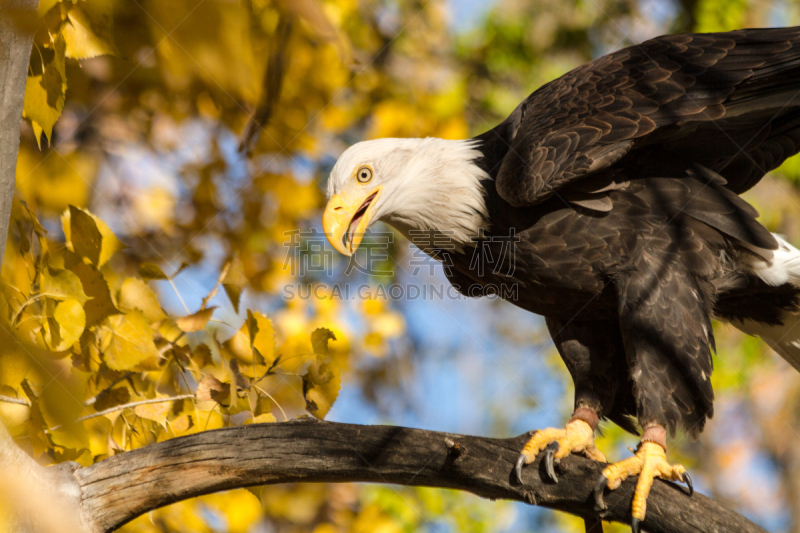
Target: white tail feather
<point>777,267</point>
<point>784,339</point>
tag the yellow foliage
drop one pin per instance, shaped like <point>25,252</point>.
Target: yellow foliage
<point>136,294</point>
<point>127,342</point>
<point>54,181</point>
<point>88,33</point>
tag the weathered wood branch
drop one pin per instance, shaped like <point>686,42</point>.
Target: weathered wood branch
<point>127,485</point>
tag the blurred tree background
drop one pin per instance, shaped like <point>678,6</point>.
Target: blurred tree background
<point>170,181</point>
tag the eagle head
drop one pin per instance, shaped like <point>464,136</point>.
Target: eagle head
<point>412,184</point>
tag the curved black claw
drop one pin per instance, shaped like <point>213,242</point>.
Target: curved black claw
<point>635,525</point>
<point>688,481</point>
<point>551,450</point>
<point>518,467</point>
<point>599,487</point>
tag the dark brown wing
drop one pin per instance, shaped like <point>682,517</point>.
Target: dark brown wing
<point>727,101</point>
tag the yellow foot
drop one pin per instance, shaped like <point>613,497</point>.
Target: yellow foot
<point>650,462</point>
<point>576,437</point>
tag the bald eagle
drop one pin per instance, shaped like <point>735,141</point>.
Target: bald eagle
<point>619,183</point>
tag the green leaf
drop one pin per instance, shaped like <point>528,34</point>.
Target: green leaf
<point>128,343</point>
<point>136,294</point>
<point>62,285</point>
<point>88,33</point>
<point>71,320</point>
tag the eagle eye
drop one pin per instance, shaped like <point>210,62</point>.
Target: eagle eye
<point>364,174</point>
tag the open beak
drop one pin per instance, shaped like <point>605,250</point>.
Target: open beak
<point>346,219</point>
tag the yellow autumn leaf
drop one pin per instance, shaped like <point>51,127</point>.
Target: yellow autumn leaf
<point>72,436</point>
<point>54,180</point>
<point>263,339</point>
<point>100,306</point>
<point>196,321</point>
<point>151,271</point>
<point>157,411</point>
<point>84,235</point>
<point>71,320</point>
<point>234,282</point>
<point>321,386</point>
<point>171,332</point>
<point>319,342</point>
<point>128,342</point>
<point>390,324</point>
<point>88,32</point>
<point>182,424</point>
<point>136,294</point>
<point>256,333</point>
<point>266,418</point>
<point>44,93</point>
<point>62,285</point>
<point>210,388</point>
<point>227,61</point>
<point>88,236</point>
<point>111,398</point>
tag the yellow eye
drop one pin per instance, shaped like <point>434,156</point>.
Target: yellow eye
<point>364,174</point>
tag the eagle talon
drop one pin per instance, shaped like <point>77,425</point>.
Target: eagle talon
<point>599,487</point>
<point>551,450</point>
<point>649,463</point>
<point>518,467</point>
<point>688,481</point>
<point>576,437</point>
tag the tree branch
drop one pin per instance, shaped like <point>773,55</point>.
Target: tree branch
<point>127,485</point>
<point>15,50</point>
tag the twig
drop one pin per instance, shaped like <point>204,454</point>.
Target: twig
<point>9,399</point>
<point>285,418</point>
<point>213,292</point>
<point>131,404</point>
<point>22,307</point>
<point>93,399</point>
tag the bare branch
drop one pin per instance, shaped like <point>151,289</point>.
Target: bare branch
<point>127,485</point>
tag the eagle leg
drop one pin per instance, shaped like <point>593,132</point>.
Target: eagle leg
<point>576,437</point>
<point>649,462</point>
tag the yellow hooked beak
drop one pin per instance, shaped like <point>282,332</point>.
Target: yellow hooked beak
<point>346,219</point>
